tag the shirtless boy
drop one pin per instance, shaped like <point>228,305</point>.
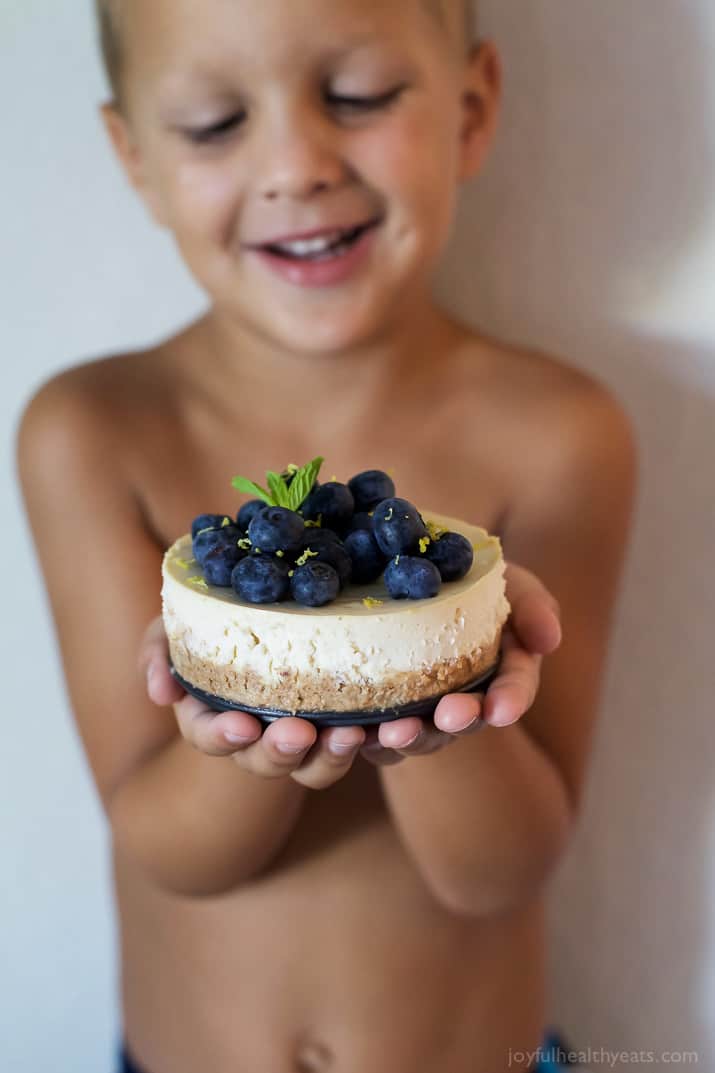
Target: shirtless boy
<point>381,910</point>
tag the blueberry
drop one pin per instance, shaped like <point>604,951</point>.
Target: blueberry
<point>315,537</point>
<point>207,521</point>
<point>315,584</point>
<point>219,562</point>
<point>333,502</point>
<point>452,554</point>
<point>370,488</point>
<point>361,520</point>
<point>258,579</point>
<point>335,554</point>
<point>247,513</point>
<point>208,539</point>
<point>409,576</point>
<point>276,529</point>
<point>398,527</point>
<point>368,561</point>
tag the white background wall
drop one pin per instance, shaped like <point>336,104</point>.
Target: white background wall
<point>592,234</point>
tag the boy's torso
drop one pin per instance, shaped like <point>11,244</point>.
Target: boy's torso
<point>337,958</point>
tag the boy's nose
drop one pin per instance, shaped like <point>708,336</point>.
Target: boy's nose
<point>300,159</point>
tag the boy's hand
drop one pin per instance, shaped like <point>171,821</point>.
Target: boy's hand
<point>532,632</point>
<point>310,761</point>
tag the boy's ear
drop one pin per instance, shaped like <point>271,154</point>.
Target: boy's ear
<point>481,103</point>
<point>130,158</point>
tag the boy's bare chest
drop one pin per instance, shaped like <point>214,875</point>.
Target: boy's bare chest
<point>442,466</point>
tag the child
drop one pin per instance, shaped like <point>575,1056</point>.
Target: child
<point>380,909</point>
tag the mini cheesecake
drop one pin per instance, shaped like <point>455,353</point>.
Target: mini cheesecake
<point>365,651</point>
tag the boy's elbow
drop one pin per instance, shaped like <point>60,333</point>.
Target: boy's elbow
<point>508,882</point>
<point>176,875</point>
<point>166,861</point>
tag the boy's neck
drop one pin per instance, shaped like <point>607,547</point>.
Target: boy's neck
<point>248,366</point>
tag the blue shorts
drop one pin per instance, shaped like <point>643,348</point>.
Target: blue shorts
<point>127,1064</point>
<point>551,1046</point>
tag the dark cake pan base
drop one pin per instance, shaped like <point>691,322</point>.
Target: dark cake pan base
<point>424,709</point>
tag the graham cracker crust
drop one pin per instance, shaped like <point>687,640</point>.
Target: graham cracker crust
<point>319,691</point>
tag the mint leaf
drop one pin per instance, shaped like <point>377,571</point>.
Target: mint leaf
<point>279,489</point>
<point>242,484</point>
<point>303,482</point>
<point>280,494</point>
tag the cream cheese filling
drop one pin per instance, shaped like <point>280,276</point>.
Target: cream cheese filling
<point>345,636</point>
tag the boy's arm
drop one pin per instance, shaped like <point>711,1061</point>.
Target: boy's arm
<point>486,820</point>
<point>197,824</point>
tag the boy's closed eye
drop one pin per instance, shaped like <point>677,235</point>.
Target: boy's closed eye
<point>350,104</point>
<point>216,131</point>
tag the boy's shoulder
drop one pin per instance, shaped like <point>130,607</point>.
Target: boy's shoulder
<point>526,380</point>
<point>95,426</point>
<point>545,414</point>
<point>109,403</point>
<point>100,387</point>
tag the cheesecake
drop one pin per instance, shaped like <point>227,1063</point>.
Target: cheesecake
<point>363,650</point>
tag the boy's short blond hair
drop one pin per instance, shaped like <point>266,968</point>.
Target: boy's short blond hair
<point>108,20</point>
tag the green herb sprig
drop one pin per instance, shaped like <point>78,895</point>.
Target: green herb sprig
<point>280,494</point>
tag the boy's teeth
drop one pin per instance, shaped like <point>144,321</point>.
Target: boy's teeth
<point>306,247</point>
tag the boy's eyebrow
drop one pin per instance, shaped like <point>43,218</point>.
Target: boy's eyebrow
<point>179,81</point>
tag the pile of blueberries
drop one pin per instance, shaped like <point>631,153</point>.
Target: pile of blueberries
<point>359,532</point>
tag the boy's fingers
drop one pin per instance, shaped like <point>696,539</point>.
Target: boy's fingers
<point>267,759</point>
<point>458,713</point>
<point>153,661</point>
<point>153,644</point>
<point>162,687</point>
<point>331,757</point>
<point>376,753</point>
<point>536,615</point>
<point>207,730</point>
<point>515,688</point>
<point>399,733</point>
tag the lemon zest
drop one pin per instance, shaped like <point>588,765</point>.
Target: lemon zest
<point>307,554</point>
<point>199,582</point>
<point>184,563</point>
<point>370,601</point>
<point>434,530</point>
<point>484,544</point>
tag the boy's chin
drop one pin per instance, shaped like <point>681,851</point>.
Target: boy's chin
<point>323,334</point>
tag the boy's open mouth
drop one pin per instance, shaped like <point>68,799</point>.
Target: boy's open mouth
<point>322,248</point>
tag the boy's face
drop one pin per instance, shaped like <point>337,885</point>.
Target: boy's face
<point>246,123</point>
